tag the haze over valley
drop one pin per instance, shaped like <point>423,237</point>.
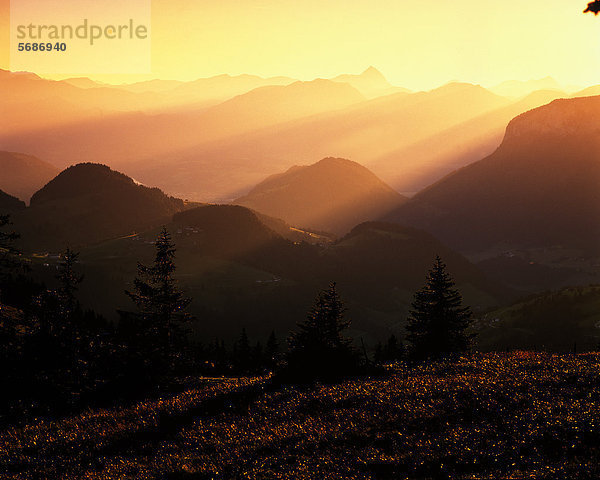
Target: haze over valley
<point>325,171</point>
<point>214,139</point>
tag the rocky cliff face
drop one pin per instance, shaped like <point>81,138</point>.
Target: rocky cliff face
<point>562,118</point>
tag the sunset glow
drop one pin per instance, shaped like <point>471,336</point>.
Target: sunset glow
<point>328,239</point>
<point>418,45</point>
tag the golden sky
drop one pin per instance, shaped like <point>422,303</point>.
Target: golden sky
<point>416,44</point>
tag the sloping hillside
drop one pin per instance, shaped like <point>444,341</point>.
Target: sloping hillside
<point>332,195</point>
<point>539,189</point>
<point>23,175</point>
<point>89,203</point>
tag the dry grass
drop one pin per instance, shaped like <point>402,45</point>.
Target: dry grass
<point>518,415</point>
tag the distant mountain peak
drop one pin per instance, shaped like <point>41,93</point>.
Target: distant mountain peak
<point>84,179</point>
<point>333,195</point>
<point>455,86</point>
<point>372,83</point>
<point>83,82</point>
<point>88,203</point>
<point>22,74</point>
<point>372,72</point>
<point>335,161</point>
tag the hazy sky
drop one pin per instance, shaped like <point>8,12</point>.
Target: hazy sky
<point>417,44</point>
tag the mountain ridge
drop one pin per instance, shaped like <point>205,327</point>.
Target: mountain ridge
<point>333,194</point>
<point>371,83</point>
<point>88,203</point>
<point>538,189</point>
<point>22,175</point>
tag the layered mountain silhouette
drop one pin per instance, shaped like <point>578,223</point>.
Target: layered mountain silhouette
<point>397,258</point>
<point>242,273</point>
<point>89,203</point>
<point>362,131</point>
<point>60,103</point>
<point>237,264</point>
<point>416,166</point>
<point>365,131</point>
<point>588,92</point>
<point>254,134</point>
<point>538,189</point>
<point>23,175</point>
<point>214,89</point>
<point>84,82</point>
<point>270,105</point>
<point>371,83</point>
<point>423,135</point>
<point>519,88</point>
<point>164,135</point>
<point>332,195</point>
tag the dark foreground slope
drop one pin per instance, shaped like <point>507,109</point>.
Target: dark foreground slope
<point>539,189</point>
<point>519,415</point>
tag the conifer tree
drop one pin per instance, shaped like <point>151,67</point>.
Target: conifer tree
<point>438,321</point>
<point>56,310</point>
<point>318,349</point>
<point>324,324</point>
<point>63,351</point>
<point>160,303</point>
<point>69,281</point>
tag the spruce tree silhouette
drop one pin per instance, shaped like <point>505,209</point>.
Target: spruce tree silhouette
<point>438,321</point>
<point>62,350</point>
<point>160,304</point>
<point>318,349</point>
<point>69,281</point>
<point>67,315</point>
